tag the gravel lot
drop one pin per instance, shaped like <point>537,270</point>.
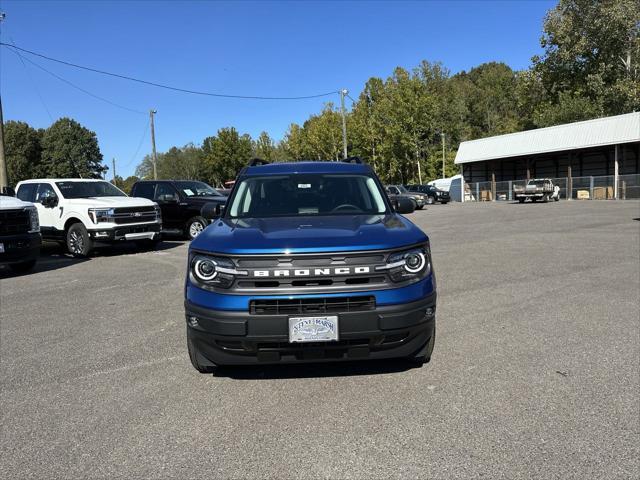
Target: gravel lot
<point>535,372</point>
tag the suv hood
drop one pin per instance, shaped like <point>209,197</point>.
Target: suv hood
<point>110,202</point>
<point>7,203</point>
<point>316,234</point>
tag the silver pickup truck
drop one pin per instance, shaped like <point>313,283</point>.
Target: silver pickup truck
<point>537,189</point>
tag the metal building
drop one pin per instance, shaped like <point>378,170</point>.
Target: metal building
<point>593,149</point>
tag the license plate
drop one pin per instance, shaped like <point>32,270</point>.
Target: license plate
<point>1,247</point>
<point>313,329</point>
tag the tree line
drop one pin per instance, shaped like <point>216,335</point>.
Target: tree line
<point>590,67</point>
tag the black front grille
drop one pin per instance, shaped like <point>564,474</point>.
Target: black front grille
<point>126,215</point>
<point>312,305</point>
<point>14,222</point>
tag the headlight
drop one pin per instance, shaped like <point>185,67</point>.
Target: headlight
<point>34,222</point>
<point>212,272</point>
<point>98,215</point>
<point>158,212</point>
<point>413,264</point>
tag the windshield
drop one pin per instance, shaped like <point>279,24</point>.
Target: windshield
<point>197,189</point>
<point>298,194</point>
<point>402,189</point>
<point>88,189</point>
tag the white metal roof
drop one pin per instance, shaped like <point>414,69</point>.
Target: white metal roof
<point>570,136</point>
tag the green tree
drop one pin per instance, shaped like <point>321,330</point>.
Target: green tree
<point>591,61</point>
<point>224,155</point>
<point>70,150</point>
<point>23,151</point>
<point>125,184</point>
<point>184,163</point>
<point>265,147</point>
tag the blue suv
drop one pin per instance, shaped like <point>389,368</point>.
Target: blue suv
<point>308,262</point>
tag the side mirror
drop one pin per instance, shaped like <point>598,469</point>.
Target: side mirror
<point>49,201</point>
<point>212,210</point>
<point>405,205</point>
<point>8,192</point>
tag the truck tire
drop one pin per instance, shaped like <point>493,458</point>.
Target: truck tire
<point>423,355</point>
<point>79,244</point>
<point>22,267</point>
<point>545,199</point>
<point>556,198</point>
<point>521,200</point>
<point>430,200</point>
<point>193,356</point>
<point>195,226</point>
<point>420,207</point>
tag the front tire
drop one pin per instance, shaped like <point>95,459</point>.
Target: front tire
<point>22,267</point>
<point>195,226</point>
<point>79,244</point>
<point>430,200</point>
<point>420,207</point>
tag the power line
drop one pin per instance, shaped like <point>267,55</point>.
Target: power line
<point>167,87</point>
<point>144,135</point>
<point>79,88</point>
<point>33,84</point>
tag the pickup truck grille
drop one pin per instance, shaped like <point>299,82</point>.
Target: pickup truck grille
<point>312,305</point>
<point>126,215</point>
<point>14,222</point>
<point>311,273</point>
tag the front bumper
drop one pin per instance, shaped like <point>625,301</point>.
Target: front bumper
<point>20,248</point>
<point>147,231</point>
<point>239,338</point>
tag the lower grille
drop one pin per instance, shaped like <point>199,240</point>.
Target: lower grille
<point>13,222</point>
<point>312,305</point>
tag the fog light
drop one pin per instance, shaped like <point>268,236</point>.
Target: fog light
<point>429,312</point>
<point>193,322</point>
<point>102,234</point>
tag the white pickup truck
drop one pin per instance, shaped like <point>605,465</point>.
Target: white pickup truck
<point>83,212</point>
<point>536,189</point>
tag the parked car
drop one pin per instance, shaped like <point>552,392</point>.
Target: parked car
<point>309,262</point>
<point>432,194</point>
<point>401,203</point>
<point>181,202</point>
<point>419,198</point>
<point>82,213</point>
<point>19,234</point>
<point>537,189</point>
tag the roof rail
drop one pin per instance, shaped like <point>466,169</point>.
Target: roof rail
<point>353,160</point>
<point>256,162</point>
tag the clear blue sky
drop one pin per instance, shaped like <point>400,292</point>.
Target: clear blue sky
<point>247,48</point>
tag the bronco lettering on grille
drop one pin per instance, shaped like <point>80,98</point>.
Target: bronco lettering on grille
<point>311,272</point>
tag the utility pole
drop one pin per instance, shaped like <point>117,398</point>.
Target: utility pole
<point>4,179</point>
<point>154,158</point>
<point>113,162</point>
<point>419,173</point>
<point>344,92</point>
<point>442,136</point>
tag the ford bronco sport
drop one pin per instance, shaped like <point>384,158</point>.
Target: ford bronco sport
<point>309,262</point>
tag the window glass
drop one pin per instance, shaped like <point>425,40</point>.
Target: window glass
<point>300,194</point>
<point>200,189</point>
<point>165,192</point>
<point>145,190</point>
<point>27,192</point>
<point>89,189</point>
<point>44,190</point>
